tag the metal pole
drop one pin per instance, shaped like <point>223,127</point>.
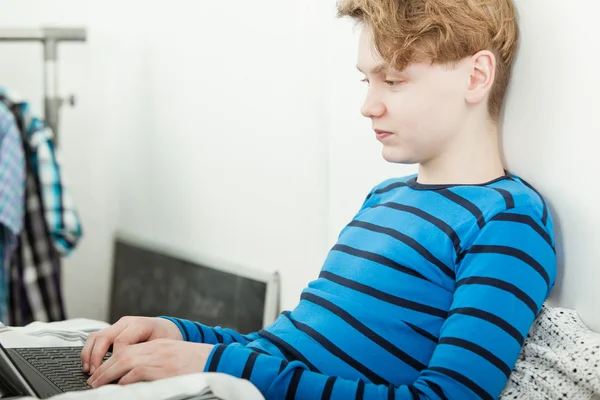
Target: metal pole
<point>49,37</point>
<point>52,102</point>
<point>41,34</point>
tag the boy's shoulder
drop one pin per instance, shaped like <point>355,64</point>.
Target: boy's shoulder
<point>500,195</point>
<point>391,183</point>
<point>517,194</point>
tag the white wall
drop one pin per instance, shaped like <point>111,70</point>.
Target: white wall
<point>236,159</point>
<point>552,136</point>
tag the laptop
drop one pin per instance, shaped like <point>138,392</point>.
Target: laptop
<point>41,372</point>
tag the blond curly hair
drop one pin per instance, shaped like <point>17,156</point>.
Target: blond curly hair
<point>441,31</point>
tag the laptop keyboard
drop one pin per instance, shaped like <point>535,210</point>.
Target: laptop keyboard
<point>60,365</point>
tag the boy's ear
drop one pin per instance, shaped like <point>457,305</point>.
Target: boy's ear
<point>483,69</point>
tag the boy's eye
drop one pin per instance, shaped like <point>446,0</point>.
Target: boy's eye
<point>391,83</point>
<point>364,80</point>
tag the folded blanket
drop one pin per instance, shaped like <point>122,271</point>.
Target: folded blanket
<point>208,386</point>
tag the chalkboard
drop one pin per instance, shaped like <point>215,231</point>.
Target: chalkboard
<point>151,282</point>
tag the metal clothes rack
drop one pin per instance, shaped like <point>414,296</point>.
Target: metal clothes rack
<point>50,37</point>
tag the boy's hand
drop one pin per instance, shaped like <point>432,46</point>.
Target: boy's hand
<point>127,331</point>
<point>151,361</point>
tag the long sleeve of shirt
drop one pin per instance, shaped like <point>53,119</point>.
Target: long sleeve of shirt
<point>502,280</point>
<point>199,333</point>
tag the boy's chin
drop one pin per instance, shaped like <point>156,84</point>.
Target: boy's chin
<point>398,156</point>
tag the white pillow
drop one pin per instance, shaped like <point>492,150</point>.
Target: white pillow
<point>560,360</point>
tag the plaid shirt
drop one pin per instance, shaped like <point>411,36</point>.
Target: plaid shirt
<point>12,177</point>
<point>52,226</point>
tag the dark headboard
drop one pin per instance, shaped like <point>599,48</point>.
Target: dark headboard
<point>148,281</point>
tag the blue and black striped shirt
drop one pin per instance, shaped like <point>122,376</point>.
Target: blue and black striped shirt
<point>429,293</point>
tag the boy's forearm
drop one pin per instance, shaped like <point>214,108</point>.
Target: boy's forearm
<point>278,379</point>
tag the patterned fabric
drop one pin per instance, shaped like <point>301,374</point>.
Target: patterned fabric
<point>12,173</point>
<point>560,360</point>
<point>35,270</point>
<point>12,178</point>
<point>59,210</point>
<point>428,293</point>
<point>51,226</point>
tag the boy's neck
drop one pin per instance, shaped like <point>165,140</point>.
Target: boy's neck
<point>473,158</point>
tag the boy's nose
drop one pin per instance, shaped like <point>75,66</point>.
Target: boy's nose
<point>372,108</point>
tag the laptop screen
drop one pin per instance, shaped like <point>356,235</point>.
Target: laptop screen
<point>11,377</point>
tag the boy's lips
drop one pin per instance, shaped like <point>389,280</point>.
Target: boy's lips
<point>381,135</point>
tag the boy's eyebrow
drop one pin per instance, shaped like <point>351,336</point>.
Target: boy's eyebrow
<point>376,70</point>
